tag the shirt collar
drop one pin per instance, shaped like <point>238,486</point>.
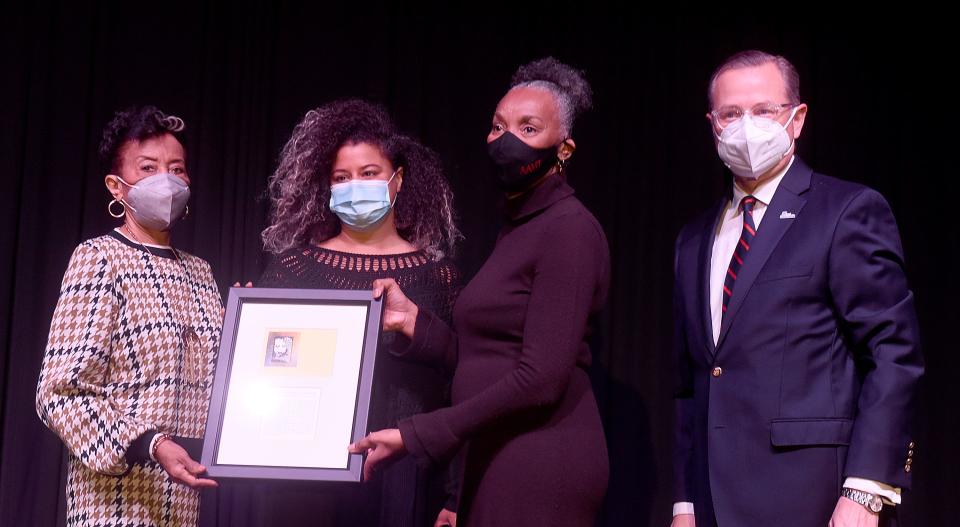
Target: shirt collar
<point>765,191</point>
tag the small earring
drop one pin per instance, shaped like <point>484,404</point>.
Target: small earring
<point>186,213</point>
<point>123,209</point>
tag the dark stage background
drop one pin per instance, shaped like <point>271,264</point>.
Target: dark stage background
<point>241,74</point>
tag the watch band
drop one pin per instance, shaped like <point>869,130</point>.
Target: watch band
<point>871,502</point>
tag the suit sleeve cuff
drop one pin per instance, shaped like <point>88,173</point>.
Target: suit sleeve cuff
<point>682,507</point>
<point>891,495</point>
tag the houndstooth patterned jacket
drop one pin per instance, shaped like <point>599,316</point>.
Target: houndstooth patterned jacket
<point>131,351</point>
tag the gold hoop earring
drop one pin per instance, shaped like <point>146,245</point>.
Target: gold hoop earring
<point>123,209</point>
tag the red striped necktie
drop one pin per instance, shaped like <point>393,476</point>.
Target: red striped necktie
<point>747,234</point>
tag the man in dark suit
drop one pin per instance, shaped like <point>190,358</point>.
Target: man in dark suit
<point>796,333</point>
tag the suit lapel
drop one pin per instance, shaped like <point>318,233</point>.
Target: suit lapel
<point>788,198</point>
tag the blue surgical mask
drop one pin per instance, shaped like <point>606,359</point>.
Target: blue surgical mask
<point>361,204</point>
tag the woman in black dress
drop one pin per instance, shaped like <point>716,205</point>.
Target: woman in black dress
<point>354,201</point>
<point>522,400</point>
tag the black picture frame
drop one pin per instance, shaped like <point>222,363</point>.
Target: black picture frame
<point>282,354</point>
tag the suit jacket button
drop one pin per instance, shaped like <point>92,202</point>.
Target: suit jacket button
<point>912,445</point>
<point>909,461</point>
<point>718,371</point>
<point>910,453</point>
<point>906,468</point>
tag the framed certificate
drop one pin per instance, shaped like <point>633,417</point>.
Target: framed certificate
<point>292,384</point>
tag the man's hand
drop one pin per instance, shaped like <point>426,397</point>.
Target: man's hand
<point>851,514</point>
<point>446,519</point>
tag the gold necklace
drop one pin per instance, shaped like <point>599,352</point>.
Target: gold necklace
<point>186,331</point>
<point>190,342</point>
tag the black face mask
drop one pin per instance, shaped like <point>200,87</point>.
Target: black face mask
<point>519,164</point>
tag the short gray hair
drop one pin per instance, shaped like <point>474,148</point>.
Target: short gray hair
<point>564,106</point>
<point>567,84</point>
<point>753,58</point>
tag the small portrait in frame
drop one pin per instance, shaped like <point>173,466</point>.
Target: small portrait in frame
<point>281,349</point>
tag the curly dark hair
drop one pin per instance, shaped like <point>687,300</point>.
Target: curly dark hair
<point>136,123</point>
<point>568,85</point>
<point>299,189</point>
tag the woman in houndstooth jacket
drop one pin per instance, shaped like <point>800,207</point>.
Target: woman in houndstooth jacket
<point>127,372</point>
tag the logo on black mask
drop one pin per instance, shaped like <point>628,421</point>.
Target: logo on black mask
<point>519,164</point>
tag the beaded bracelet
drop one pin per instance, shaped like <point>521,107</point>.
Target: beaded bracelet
<point>157,440</point>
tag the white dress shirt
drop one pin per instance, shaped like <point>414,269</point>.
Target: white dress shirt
<point>727,237</point>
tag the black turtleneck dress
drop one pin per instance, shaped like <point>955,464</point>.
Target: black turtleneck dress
<point>521,400</point>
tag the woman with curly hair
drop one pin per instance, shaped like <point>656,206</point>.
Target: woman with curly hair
<point>128,369</point>
<point>354,201</point>
<point>522,401</point>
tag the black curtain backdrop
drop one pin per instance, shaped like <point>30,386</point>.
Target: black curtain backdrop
<point>241,74</point>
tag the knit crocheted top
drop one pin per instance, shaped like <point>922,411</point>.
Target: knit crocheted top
<point>401,388</point>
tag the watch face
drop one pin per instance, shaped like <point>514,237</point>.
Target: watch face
<point>875,504</point>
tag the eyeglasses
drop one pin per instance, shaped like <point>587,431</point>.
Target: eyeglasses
<point>767,110</point>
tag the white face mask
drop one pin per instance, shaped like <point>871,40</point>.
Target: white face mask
<point>751,145</point>
<point>157,201</point>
